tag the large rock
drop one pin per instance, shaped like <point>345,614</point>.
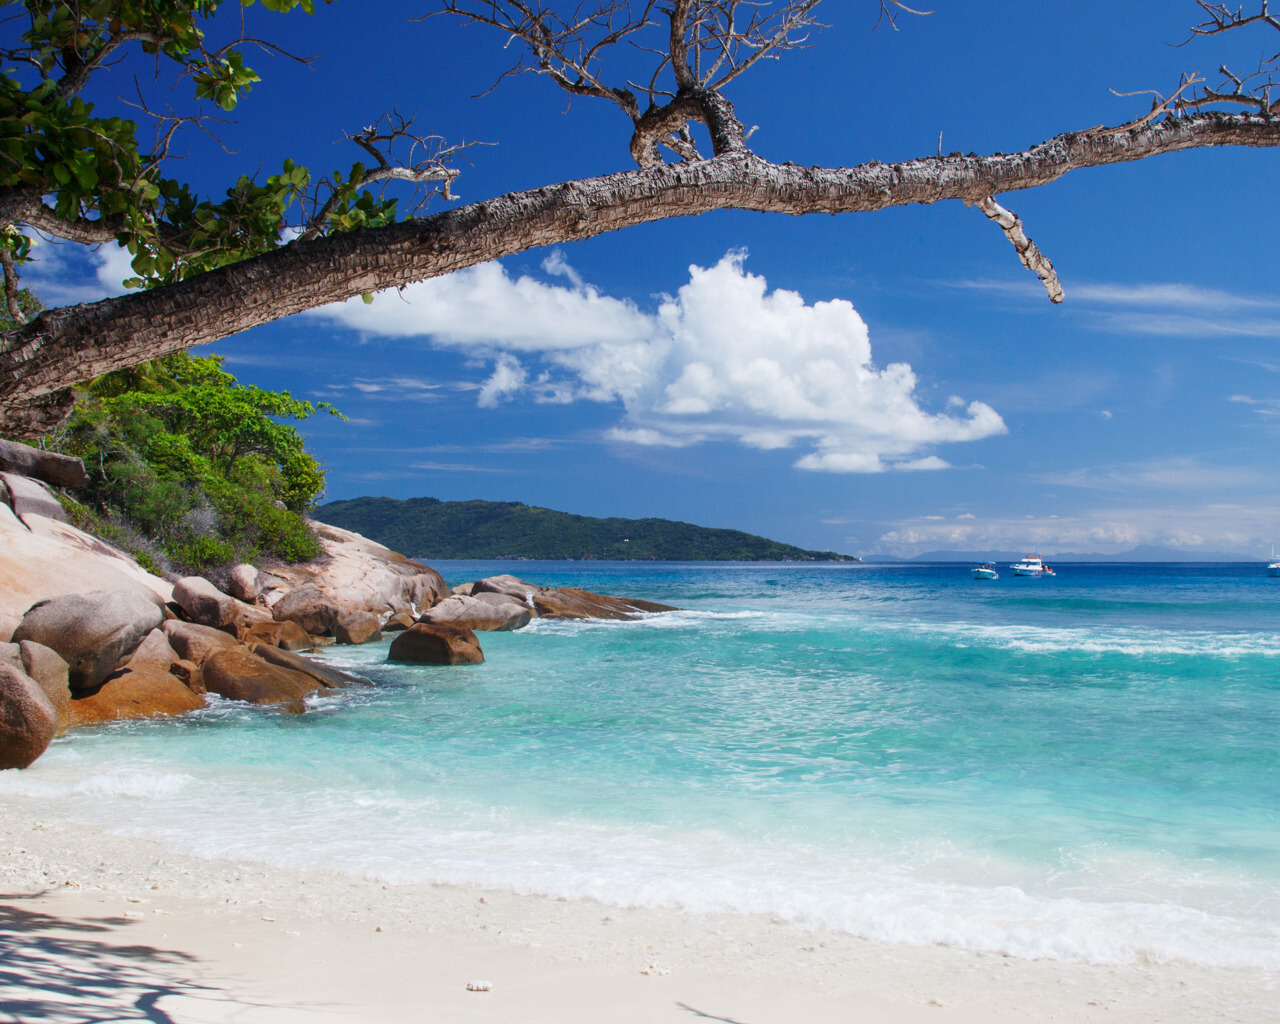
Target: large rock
<point>399,621</point>
<point>243,582</point>
<point>325,675</point>
<point>358,575</point>
<point>195,643</point>
<point>94,633</point>
<point>28,721</point>
<point>42,557</point>
<point>428,644</point>
<point>358,628</point>
<point>238,674</point>
<point>498,613</point>
<point>511,586</point>
<point>149,686</point>
<point>29,497</point>
<point>48,669</point>
<point>204,603</point>
<point>287,635</point>
<point>572,603</point>
<point>51,467</point>
<point>311,607</point>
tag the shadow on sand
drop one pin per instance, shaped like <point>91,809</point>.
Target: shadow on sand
<point>76,970</point>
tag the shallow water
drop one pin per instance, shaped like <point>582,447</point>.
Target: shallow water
<point>1082,767</point>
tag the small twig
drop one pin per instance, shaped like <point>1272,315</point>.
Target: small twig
<point>1032,258</point>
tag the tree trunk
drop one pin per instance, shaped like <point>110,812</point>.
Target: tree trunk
<point>64,346</point>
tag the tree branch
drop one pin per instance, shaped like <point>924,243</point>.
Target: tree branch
<point>66,345</point>
<point>1028,252</point>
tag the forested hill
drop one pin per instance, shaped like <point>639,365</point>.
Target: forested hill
<point>429,528</point>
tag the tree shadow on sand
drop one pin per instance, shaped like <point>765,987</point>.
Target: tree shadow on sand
<point>71,970</point>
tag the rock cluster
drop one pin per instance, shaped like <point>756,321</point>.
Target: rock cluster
<point>93,638</point>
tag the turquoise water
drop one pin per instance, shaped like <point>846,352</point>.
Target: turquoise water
<point>1082,767</point>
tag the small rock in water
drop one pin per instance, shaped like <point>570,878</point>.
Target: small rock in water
<point>479,986</point>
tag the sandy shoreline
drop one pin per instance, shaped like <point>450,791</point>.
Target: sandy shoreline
<point>100,927</point>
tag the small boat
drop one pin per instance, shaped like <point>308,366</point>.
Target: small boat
<point>984,571</point>
<point>1031,565</point>
<point>1274,568</point>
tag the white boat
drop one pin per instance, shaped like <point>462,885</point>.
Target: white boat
<point>984,571</point>
<point>1031,565</point>
<point>1274,568</point>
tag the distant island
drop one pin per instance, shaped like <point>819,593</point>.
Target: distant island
<point>430,528</point>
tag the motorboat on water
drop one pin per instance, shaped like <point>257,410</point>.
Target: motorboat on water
<point>1274,568</point>
<point>984,571</point>
<point>1031,565</point>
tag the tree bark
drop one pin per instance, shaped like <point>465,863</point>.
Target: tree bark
<point>64,346</point>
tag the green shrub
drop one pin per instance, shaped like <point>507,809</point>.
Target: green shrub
<point>191,470</point>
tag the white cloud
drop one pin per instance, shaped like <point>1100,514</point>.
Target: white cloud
<point>508,377</point>
<point>1177,474</point>
<point>1217,527</point>
<point>64,273</point>
<point>723,359</point>
<point>1167,309</point>
<point>484,307</point>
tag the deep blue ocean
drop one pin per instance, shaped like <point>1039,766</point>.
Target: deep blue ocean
<point>1084,767</point>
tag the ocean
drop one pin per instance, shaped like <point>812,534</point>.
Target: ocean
<point>1082,768</point>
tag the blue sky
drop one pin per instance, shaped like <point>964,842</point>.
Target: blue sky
<point>890,382</point>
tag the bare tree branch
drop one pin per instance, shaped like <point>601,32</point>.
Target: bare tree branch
<point>39,359</point>
<point>1028,252</point>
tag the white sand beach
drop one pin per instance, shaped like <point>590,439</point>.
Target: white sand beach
<point>98,927</point>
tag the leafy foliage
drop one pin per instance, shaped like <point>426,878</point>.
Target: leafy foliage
<point>430,528</point>
<point>104,183</point>
<point>192,469</point>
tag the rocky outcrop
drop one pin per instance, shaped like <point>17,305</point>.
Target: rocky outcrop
<point>94,633</point>
<point>204,603</point>
<point>238,674</point>
<point>399,621</point>
<point>429,644</point>
<point>498,613</point>
<point>51,467</point>
<point>42,558</point>
<point>354,574</point>
<point>242,582</point>
<point>287,635</point>
<point>151,685</point>
<point>48,669</point>
<point>311,607</point>
<point>29,497</point>
<point>28,720</point>
<point>572,603</point>
<point>506,584</point>
<point>195,643</point>
<point>358,628</point>
<point>324,675</point>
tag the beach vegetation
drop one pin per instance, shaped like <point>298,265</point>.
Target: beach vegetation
<point>190,470</point>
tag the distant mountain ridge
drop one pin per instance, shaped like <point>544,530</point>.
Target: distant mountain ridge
<point>429,528</point>
<point>1142,553</point>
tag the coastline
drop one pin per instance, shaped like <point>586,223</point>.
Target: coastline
<point>103,925</point>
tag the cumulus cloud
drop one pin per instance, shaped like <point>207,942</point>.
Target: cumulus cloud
<point>722,359</point>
